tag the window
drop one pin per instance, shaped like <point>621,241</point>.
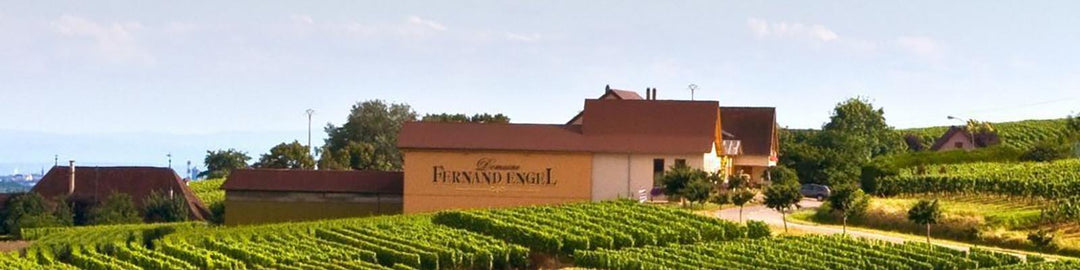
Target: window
<point>658,165</point>
<point>958,144</point>
<point>680,162</point>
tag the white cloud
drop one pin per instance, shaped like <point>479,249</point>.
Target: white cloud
<point>426,23</point>
<point>919,45</point>
<point>116,41</point>
<point>523,37</point>
<point>302,19</point>
<point>785,30</point>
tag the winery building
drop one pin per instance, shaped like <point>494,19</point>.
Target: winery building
<point>274,195</point>
<point>615,148</point>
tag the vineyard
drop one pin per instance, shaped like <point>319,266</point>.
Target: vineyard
<point>802,252</point>
<point>1019,134</point>
<point>209,191</point>
<point>1049,180</point>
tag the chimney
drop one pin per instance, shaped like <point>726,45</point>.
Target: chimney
<point>71,180</point>
<point>648,92</point>
<point>654,93</point>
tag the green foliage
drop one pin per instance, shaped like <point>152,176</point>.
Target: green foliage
<point>738,180</point>
<point>849,201</point>
<point>587,226</point>
<point>1049,180</point>
<point>31,210</point>
<point>757,229</point>
<point>864,129</point>
<point>287,156</point>
<point>219,163</point>
<point>1046,151</point>
<point>368,139</point>
<point>924,158</point>
<point>462,118</point>
<point>217,212</point>
<point>925,212</point>
<point>677,180</point>
<point>118,208</point>
<point>697,190</point>
<point>159,207</point>
<point>802,252</point>
<point>782,175</point>
<point>1042,239</point>
<point>782,197</point>
<point>208,191</point>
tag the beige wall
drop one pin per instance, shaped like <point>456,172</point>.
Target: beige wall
<point>622,175</point>
<point>489,179</point>
<point>955,138</point>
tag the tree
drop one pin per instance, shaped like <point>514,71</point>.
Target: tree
<point>697,191</point>
<point>462,118</point>
<point>781,175</point>
<point>368,139</point>
<point>720,198</point>
<point>287,156</point>
<point>163,208</point>
<point>925,212</point>
<point>741,197</point>
<point>856,116</point>
<point>782,197</point>
<point>118,208</point>
<point>677,178</point>
<point>738,180</point>
<point>849,200</point>
<point>219,163</point>
<point>29,210</point>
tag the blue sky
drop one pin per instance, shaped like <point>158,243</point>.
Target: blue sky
<point>125,82</point>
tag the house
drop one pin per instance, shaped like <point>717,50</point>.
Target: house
<point>275,195</point>
<point>960,138</point>
<point>752,140</point>
<point>91,185</point>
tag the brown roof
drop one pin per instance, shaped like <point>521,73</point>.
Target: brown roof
<point>316,181</point>
<point>754,126</point>
<point>97,183</point>
<point>620,126</point>
<point>953,130</point>
<point>608,94</point>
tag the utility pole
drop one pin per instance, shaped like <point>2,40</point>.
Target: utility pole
<point>692,88</point>
<point>309,112</point>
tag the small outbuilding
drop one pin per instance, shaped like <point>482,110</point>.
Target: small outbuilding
<point>255,196</point>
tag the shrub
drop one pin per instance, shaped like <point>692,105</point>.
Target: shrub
<point>118,208</point>
<point>1042,239</point>
<point>1045,152</point>
<point>217,212</point>
<point>29,210</point>
<point>781,175</point>
<point>757,229</point>
<point>161,208</point>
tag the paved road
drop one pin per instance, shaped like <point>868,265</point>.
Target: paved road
<point>771,217</point>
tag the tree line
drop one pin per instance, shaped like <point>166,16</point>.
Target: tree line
<point>31,210</point>
<point>366,141</point>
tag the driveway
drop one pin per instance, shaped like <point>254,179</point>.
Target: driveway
<point>771,217</point>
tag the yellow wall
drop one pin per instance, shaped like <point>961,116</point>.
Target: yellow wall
<point>489,179</point>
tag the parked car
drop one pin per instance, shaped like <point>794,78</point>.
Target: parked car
<point>815,191</point>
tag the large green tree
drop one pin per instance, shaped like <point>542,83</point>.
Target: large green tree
<point>219,163</point>
<point>856,133</point>
<point>368,139</point>
<point>287,156</point>
<point>462,118</point>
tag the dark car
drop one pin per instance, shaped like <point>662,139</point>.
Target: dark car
<point>815,191</point>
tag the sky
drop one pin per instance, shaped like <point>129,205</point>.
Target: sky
<point>128,82</point>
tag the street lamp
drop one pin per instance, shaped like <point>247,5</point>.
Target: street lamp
<point>965,121</point>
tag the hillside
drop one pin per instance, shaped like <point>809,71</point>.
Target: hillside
<point>1018,134</point>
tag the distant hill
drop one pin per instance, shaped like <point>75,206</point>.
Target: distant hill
<point>1018,134</point>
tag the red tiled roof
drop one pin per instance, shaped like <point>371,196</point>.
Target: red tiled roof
<point>316,181</point>
<point>97,183</point>
<point>640,126</point>
<point>609,94</point>
<point>755,127</point>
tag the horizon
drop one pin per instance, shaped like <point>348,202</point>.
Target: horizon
<point>116,83</point>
